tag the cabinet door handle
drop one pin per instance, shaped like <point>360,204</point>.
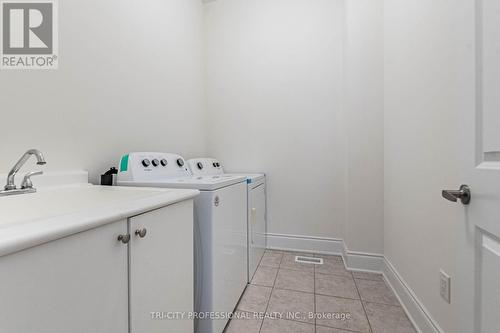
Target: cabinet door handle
<point>124,238</point>
<point>141,232</point>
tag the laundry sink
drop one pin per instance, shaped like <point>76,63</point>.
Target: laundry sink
<point>71,199</point>
<point>54,212</point>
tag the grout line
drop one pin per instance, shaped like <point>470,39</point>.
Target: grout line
<point>300,322</point>
<point>249,284</point>
<point>372,302</point>
<point>334,274</point>
<point>276,277</point>
<point>297,270</point>
<point>291,320</point>
<point>395,305</point>
<point>342,329</point>
<point>266,266</point>
<point>343,297</point>
<point>315,324</point>
<point>378,302</point>
<point>363,306</point>
<point>295,291</point>
<point>365,279</point>
<point>271,295</point>
<point>329,276</point>
<point>263,285</point>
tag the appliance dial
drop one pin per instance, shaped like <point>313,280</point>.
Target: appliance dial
<point>200,165</point>
<point>155,162</point>
<point>145,162</point>
<point>180,162</point>
<point>164,162</point>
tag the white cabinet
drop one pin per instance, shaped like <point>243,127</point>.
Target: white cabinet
<point>92,282</point>
<point>161,269</point>
<point>76,284</point>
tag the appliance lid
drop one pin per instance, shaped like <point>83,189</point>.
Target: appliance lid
<point>203,183</point>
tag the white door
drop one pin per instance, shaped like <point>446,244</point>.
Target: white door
<point>76,284</point>
<point>477,284</point>
<point>161,270</point>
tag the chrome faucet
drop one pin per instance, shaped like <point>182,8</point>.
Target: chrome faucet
<point>27,185</point>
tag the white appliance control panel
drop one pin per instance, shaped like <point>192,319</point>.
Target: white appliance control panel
<point>205,166</point>
<point>143,166</point>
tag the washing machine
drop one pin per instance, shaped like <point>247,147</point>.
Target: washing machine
<point>256,206</point>
<point>220,231</point>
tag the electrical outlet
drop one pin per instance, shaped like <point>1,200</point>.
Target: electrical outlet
<point>444,285</point>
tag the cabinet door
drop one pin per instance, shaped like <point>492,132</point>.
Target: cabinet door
<point>76,284</point>
<point>161,270</point>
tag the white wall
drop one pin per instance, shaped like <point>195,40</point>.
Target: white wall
<point>274,84</point>
<point>364,113</point>
<point>421,154</point>
<point>129,78</point>
<point>293,88</point>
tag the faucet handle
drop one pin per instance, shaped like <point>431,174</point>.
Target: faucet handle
<point>27,179</point>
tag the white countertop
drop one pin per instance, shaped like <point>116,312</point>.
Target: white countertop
<point>28,220</point>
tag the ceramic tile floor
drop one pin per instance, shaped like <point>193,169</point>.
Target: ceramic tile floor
<point>284,295</point>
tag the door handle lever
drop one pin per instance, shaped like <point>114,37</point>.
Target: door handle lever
<point>463,194</point>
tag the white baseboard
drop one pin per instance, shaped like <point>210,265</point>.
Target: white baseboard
<point>414,308</point>
<point>305,244</point>
<point>365,262</point>
<point>360,261</point>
